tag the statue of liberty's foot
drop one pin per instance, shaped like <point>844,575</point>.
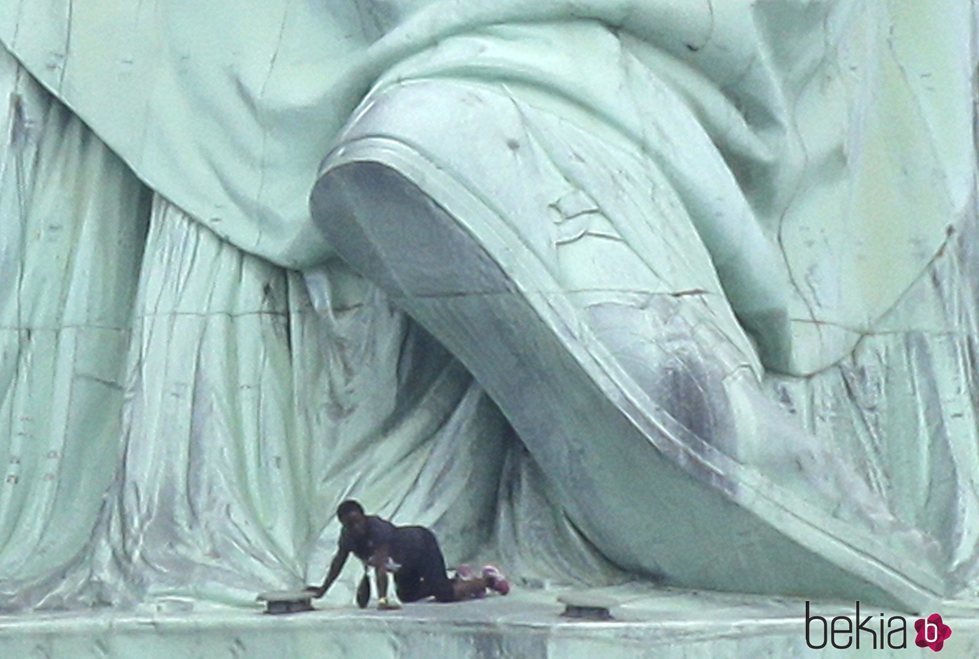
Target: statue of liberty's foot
<point>588,308</point>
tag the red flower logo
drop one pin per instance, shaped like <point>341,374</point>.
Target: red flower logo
<point>932,632</point>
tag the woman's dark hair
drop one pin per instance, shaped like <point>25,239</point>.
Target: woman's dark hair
<point>349,506</point>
